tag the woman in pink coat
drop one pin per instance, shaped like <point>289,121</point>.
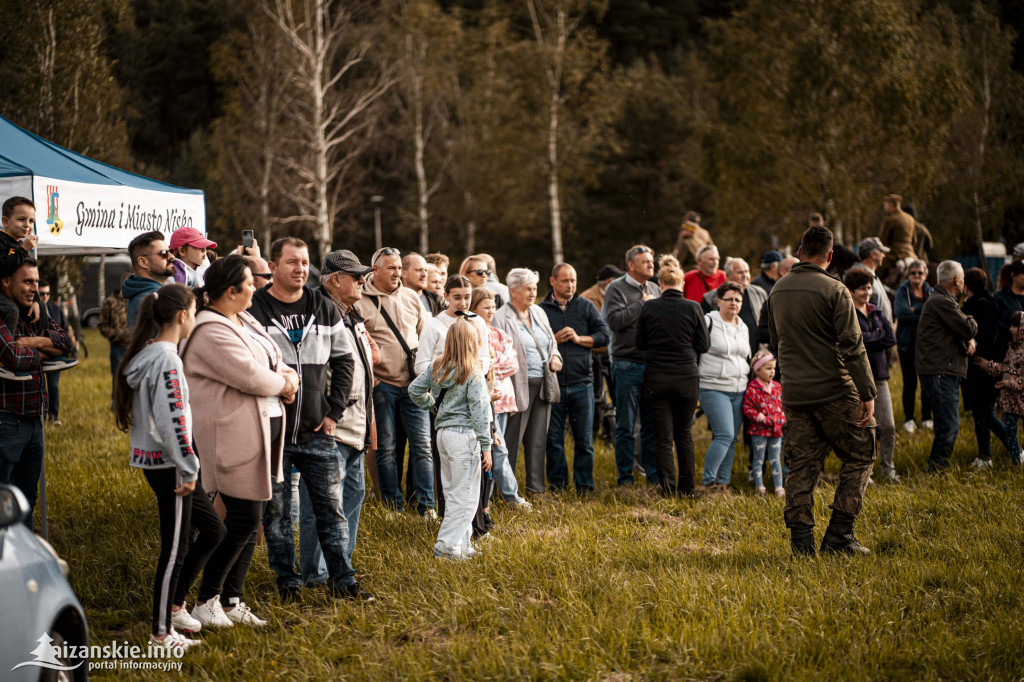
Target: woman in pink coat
<point>240,383</point>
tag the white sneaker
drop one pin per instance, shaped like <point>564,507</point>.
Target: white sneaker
<point>780,492</point>
<point>761,490</point>
<point>522,506</point>
<point>928,424</point>
<point>430,514</point>
<point>211,614</point>
<point>909,426</point>
<point>981,464</point>
<point>243,615</point>
<point>184,622</point>
<point>891,477</point>
<point>173,640</point>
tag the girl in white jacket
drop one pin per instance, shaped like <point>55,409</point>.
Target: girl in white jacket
<point>723,380</point>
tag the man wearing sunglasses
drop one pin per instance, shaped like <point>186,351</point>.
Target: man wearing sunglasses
<point>152,264</point>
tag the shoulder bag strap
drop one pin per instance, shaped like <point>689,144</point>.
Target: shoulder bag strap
<point>394,328</point>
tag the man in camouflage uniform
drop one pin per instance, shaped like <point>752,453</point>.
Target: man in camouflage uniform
<point>828,394</point>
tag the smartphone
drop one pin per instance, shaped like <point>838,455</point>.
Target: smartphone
<point>247,239</point>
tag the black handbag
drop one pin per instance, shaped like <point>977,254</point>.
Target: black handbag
<point>550,392</point>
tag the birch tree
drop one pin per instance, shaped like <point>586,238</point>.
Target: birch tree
<point>337,84</point>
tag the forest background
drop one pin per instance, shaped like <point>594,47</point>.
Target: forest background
<point>538,130</point>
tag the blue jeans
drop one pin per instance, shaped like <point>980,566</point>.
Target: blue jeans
<point>629,386</point>
<point>390,404</point>
<point>320,466</point>
<point>725,417</point>
<point>772,447</point>
<point>311,558</point>
<point>577,404</point>
<point>944,393</point>
<point>504,476</point>
<point>21,455</point>
<point>1012,444</point>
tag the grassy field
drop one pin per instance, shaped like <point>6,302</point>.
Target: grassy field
<point>623,585</point>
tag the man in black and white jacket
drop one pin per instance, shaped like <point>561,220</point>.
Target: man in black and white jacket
<point>313,340</point>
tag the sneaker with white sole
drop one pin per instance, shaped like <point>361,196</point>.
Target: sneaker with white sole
<point>910,426</point>
<point>981,464</point>
<point>175,640</point>
<point>10,375</point>
<point>58,364</point>
<point>890,477</point>
<point>430,514</point>
<point>780,492</point>
<point>211,614</point>
<point>928,424</point>
<point>240,614</point>
<point>180,620</point>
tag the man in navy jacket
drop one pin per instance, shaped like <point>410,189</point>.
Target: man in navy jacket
<point>578,327</point>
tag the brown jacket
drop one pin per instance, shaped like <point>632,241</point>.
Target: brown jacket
<point>688,243</point>
<point>114,320</point>
<point>898,234</point>
<point>408,314</point>
<point>596,296</point>
<point>814,326</point>
<point>229,379</point>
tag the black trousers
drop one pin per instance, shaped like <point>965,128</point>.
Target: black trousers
<point>226,568</point>
<point>671,400</point>
<point>175,512</point>
<point>435,455</point>
<point>910,388</point>
<point>207,533</point>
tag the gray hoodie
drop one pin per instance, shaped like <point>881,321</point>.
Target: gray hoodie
<point>161,435</point>
<point>467,404</point>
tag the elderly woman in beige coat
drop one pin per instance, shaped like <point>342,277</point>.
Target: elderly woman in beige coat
<point>238,383</point>
<point>535,346</point>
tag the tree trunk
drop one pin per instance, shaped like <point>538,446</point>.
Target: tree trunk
<point>421,172</point>
<point>470,203</point>
<point>320,149</point>
<point>986,101</point>
<point>555,78</point>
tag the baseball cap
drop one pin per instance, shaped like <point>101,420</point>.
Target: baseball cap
<point>871,244</point>
<point>608,271</point>
<point>192,237</point>
<point>344,260</point>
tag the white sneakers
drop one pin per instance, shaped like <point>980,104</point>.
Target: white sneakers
<point>928,424</point>
<point>981,464</point>
<point>780,492</point>
<point>909,426</point>
<point>211,614</point>
<point>173,640</point>
<point>184,622</point>
<point>240,614</point>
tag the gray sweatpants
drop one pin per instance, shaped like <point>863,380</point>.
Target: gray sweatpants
<point>886,426</point>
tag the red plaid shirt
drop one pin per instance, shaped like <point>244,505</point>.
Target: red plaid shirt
<point>27,398</point>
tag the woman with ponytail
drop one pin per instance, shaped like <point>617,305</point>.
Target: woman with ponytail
<point>239,382</point>
<point>151,399</point>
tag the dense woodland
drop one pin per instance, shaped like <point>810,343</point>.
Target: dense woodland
<point>536,128</point>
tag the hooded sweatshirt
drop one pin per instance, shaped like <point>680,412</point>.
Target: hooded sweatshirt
<point>133,290</point>
<point>465,405</point>
<point>161,435</point>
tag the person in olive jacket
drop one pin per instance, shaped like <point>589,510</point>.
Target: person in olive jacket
<point>945,339</point>
<point>672,335</point>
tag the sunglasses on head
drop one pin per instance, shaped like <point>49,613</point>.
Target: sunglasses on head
<point>386,251</point>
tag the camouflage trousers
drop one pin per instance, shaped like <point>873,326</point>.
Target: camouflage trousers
<point>810,433</point>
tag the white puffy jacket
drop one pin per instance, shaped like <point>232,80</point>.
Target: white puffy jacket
<point>725,366</point>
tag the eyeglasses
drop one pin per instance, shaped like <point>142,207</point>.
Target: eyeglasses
<point>479,273</point>
<point>386,251</point>
<point>44,293</point>
<point>163,254</point>
<point>917,272</point>
<point>733,300</point>
<point>264,275</point>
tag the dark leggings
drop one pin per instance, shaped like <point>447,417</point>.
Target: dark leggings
<point>226,568</point>
<point>985,424</point>
<point>175,512</point>
<point>207,533</point>
<point>910,388</point>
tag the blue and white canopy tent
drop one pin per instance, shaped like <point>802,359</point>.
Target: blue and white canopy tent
<point>84,206</point>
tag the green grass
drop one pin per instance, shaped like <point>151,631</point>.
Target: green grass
<point>623,585</point>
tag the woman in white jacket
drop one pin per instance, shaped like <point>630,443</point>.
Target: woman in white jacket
<point>723,378</point>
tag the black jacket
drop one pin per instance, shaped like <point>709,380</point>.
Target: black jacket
<point>584,317</point>
<point>942,336</point>
<point>672,334</point>
<point>980,388</point>
<point>12,254</point>
<point>325,345</point>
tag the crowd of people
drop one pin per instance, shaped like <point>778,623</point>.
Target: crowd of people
<point>255,399</point>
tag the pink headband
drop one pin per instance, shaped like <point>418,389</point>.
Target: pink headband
<point>761,361</point>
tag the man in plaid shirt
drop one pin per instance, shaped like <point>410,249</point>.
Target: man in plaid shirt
<point>23,403</point>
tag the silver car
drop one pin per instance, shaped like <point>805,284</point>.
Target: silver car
<point>43,624</point>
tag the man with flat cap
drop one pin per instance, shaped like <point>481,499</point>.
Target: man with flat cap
<point>897,231</point>
<point>770,273</point>
<point>691,238</point>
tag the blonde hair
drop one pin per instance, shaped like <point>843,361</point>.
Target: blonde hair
<point>480,294</point>
<point>460,352</point>
<point>670,275</point>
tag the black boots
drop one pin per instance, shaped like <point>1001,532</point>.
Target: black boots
<point>839,536</point>
<point>802,540</point>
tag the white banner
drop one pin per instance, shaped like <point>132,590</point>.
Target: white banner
<point>78,217</point>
